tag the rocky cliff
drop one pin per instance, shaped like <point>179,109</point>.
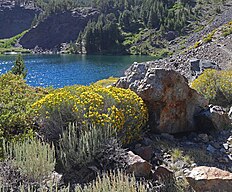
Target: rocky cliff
<point>57,28</point>
<point>15,19</point>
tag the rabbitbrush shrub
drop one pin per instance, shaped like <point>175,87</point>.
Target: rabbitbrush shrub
<point>35,159</point>
<point>215,86</point>
<point>120,108</point>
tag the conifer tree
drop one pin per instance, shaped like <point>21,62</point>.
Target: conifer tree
<point>19,67</point>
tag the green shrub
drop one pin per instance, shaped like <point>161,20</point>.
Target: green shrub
<point>197,44</point>
<point>16,98</point>
<point>120,108</point>
<point>215,86</point>
<point>209,37</point>
<point>79,145</point>
<point>113,181</point>
<point>106,82</point>
<point>35,159</point>
<point>227,29</point>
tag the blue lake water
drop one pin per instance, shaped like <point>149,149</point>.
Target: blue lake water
<point>63,70</point>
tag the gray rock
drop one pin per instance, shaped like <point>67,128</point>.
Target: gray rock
<point>226,146</point>
<point>210,179</point>
<point>162,172</point>
<point>213,118</point>
<point>145,152</point>
<point>204,138</point>
<point>172,104</point>
<point>206,64</point>
<point>211,149</point>
<point>138,166</point>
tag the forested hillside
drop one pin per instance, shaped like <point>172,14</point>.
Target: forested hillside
<point>128,26</point>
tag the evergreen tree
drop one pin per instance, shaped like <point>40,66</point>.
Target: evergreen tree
<point>19,67</point>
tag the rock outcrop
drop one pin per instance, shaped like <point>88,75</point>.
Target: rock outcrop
<point>57,29</point>
<point>172,104</point>
<point>15,19</point>
<point>210,179</point>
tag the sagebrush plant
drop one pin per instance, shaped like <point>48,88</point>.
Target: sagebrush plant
<point>212,83</point>
<point>79,145</point>
<point>100,106</point>
<point>113,181</point>
<point>34,158</point>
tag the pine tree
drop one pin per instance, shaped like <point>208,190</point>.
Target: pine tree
<point>19,67</point>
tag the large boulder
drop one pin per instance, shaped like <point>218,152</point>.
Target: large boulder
<point>172,104</point>
<point>210,179</point>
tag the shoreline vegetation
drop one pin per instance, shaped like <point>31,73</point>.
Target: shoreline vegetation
<point>77,138</point>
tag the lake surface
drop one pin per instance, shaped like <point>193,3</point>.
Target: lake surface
<point>63,70</point>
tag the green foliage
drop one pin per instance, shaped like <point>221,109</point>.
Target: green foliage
<point>19,67</point>
<point>113,181</point>
<point>120,108</point>
<point>16,97</point>
<point>106,82</point>
<point>8,43</point>
<point>215,86</point>
<point>209,37</point>
<point>35,159</point>
<point>197,44</point>
<point>227,29</point>
<point>103,36</point>
<point>80,144</point>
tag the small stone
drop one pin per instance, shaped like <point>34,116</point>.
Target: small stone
<point>194,165</point>
<point>138,166</point>
<point>229,140</point>
<point>145,152</point>
<point>162,172</point>
<point>204,138</point>
<point>223,160</point>
<point>211,149</point>
<point>230,150</point>
<point>222,150</point>
<point>230,157</point>
<point>226,146</point>
<point>137,146</point>
<point>147,141</point>
<point>216,145</point>
<point>167,136</point>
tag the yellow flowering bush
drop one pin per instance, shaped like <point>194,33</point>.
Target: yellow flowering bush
<point>215,86</point>
<point>119,108</point>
